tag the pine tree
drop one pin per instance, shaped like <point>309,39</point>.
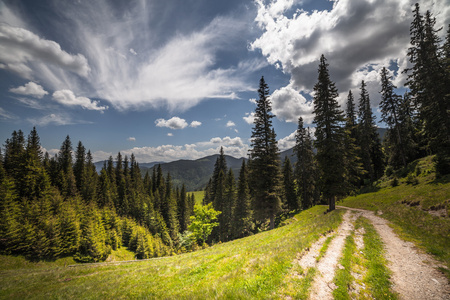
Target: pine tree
<point>290,194</point>
<point>305,169</point>
<point>79,166</point>
<point>352,162</point>
<point>329,135</point>
<point>369,140</point>
<point>264,166</point>
<point>242,216</point>
<point>428,82</point>
<point>220,165</point>
<point>67,182</point>
<point>229,203</point>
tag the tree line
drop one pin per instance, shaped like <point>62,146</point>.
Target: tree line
<point>56,206</point>
<point>346,153</point>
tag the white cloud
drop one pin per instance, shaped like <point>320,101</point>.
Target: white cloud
<point>195,124</point>
<point>67,97</point>
<point>30,89</point>
<point>131,139</point>
<point>252,100</point>
<point>249,118</point>
<point>354,36</point>
<point>21,48</point>
<point>230,124</point>
<point>170,134</point>
<point>287,142</point>
<point>289,105</point>
<point>6,115</point>
<point>132,51</point>
<point>55,119</point>
<point>172,123</point>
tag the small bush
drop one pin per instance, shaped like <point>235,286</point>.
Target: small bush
<point>394,182</point>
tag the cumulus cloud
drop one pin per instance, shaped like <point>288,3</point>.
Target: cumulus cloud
<point>288,104</point>
<point>249,118</point>
<point>354,36</point>
<point>287,142</point>
<point>170,134</point>
<point>30,89</point>
<point>172,123</point>
<point>232,146</point>
<point>68,98</point>
<point>131,139</point>
<point>21,48</point>
<point>195,124</point>
<point>230,124</point>
<point>132,51</point>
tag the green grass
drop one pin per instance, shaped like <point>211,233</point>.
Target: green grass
<point>198,195</point>
<point>378,275</point>
<point>121,254</point>
<point>343,277</point>
<point>254,267</point>
<point>325,246</point>
<point>406,206</point>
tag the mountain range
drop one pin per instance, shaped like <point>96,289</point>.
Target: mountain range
<point>195,174</point>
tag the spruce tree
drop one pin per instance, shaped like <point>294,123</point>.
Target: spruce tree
<point>329,135</point>
<point>67,182</point>
<point>264,166</point>
<point>305,167</point>
<point>290,194</point>
<point>369,140</point>
<point>352,162</point>
<point>428,82</point>
<point>242,216</point>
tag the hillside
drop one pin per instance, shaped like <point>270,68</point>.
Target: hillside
<point>284,262</point>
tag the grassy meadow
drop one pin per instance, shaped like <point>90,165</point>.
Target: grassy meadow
<point>256,267</point>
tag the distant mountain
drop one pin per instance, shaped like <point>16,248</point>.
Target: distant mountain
<point>99,165</point>
<point>195,174</point>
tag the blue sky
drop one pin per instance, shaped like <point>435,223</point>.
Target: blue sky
<point>177,79</point>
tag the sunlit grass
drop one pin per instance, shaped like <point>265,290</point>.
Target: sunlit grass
<point>254,267</point>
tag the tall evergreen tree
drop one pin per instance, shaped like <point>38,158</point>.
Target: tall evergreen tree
<point>67,182</point>
<point>290,194</point>
<point>329,135</point>
<point>428,82</point>
<point>352,162</point>
<point>229,203</point>
<point>264,166</point>
<point>369,140</point>
<point>79,166</point>
<point>305,169</point>
<point>243,211</point>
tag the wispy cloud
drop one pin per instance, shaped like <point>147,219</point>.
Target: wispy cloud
<point>20,48</point>
<point>59,119</point>
<point>6,115</point>
<point>131,139</point>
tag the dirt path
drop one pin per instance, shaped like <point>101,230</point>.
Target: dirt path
<point>323,285</point>
<point>414,273</point>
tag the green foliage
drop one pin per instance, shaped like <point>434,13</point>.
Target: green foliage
<point>329,135</point>
<point>203,222</point>
<point>264,164</point>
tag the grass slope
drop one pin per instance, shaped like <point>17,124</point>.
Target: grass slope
<point>254,267</point>
<point>412,207</point>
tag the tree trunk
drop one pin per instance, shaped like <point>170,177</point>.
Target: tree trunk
<point>272,221</point>
<point>332,203</point>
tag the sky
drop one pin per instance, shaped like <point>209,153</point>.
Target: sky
<point>178,79</point>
